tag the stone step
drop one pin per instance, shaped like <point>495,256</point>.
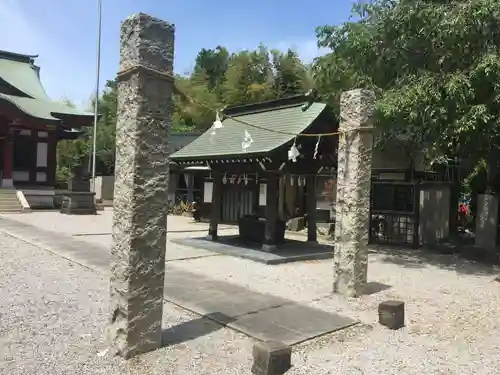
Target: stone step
<point>11,209</point>
<point>9,194</point>
<point>9,199</point>
<point>8,205</point>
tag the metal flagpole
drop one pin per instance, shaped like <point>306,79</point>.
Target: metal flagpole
<point>96,99</point>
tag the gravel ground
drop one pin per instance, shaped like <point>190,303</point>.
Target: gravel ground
<point>52,319</point>
<point>452,313</point>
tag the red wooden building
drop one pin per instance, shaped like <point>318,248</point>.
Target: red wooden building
<point>31,124</point>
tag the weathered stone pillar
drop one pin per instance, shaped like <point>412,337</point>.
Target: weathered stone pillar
<point>350,256</point>
<point>141,184</point>
<point>487,221</point>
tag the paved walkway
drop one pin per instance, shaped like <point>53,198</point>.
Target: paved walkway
<point>262,316</point>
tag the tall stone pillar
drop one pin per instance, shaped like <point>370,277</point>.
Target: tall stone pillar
<point>350,258</point>
<point>487,221</point>
<point>141,184</point>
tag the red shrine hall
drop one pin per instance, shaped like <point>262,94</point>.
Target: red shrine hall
<point>31,124</point>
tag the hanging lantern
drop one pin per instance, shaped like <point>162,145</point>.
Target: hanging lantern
<point>293,153</point>
<point>217,123</point>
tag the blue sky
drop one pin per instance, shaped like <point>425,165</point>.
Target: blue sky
<point>64,32</point>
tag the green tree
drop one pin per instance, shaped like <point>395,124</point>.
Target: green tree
<point>106,129</point>
<point>289,73</point>
<point>435,66</point>
<point>211,65</point>
<point>70,153</point>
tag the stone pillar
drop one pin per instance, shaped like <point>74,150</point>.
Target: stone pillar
<point>141,184</point>
<point>486,221</point>
<point>350,256</point>
<point>8,158</point>
<point>312,233</point>
<point>216,206</point>
<point>272,189</point>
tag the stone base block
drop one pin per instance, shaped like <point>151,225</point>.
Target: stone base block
<point>7,183</point>
<point>80,185</point>
<point>392,314</point>
<point>271,358</point>
<point>79,203</point>
<point>269,248</point>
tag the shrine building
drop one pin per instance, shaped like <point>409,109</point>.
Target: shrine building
<point>31,124</point>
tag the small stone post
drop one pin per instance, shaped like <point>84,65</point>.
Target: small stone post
<point>141,185</point>
<point>392,314</point>
<point>271,358</point>
<point>350,258</point>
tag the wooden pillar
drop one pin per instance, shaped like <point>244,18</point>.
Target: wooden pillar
<point>33,138</point>
<point>189,178</point>
<point>216,205</point>
<point>52,159</point>
<point>312,235</point>
<point>271,213</point>
<point>8,156</point>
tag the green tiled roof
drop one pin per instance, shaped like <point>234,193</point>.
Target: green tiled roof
<point>19,71</point>
<point>42,109</point>
<point>227,141</point>
<point>23,76</point>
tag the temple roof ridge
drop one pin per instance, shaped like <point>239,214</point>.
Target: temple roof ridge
<point>18,71</point>
<point>271,105</point>
<point>18,57</point>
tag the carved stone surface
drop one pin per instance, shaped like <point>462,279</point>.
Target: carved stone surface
<point>353,192</point>
<point>141,185</point>
<point>271,358</point>
<point>392,314</point>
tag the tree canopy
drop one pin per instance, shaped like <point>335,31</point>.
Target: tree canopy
<point>435,66</point>
<point>219,79</point>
